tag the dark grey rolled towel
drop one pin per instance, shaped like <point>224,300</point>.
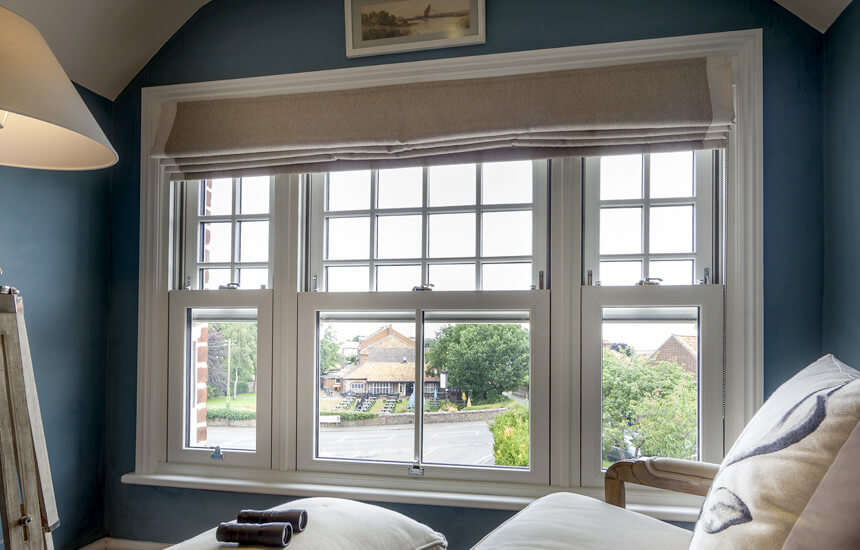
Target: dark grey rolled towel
<point>266,534</point>
<point>297,518</point>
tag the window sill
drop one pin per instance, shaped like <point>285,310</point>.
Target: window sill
<point>658,504</point>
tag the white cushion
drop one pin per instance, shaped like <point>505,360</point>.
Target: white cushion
<point>335,523</point>
<point>775,466</point>
<point>566,521</point>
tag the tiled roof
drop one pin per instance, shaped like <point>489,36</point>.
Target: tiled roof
<point>387,372</point>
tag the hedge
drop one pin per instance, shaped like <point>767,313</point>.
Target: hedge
<point>511,437</point>
<point>230,414</point>
<point>346,415</point>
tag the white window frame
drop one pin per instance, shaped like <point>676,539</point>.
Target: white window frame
<point>709,300</point>
<point>536,302</point>
<point>703,229</point>
<point>192,264</point>
<point>538,208</point>
<point>743,267</point>
<point>180,302</point>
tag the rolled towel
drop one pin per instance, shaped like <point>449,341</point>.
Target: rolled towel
<point>267,534</point>
<point>297,518</point>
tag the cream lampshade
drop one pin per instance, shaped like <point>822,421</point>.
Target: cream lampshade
<point>44,123</point>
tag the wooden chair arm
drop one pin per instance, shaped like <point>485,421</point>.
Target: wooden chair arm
<point>638,471</point>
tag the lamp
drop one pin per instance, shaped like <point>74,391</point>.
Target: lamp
<point>44,123</point>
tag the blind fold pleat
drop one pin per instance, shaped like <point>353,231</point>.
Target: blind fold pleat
<point>648,107</point>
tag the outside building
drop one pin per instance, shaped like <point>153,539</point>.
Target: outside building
<point>386,365</point>
<point>680,349</point>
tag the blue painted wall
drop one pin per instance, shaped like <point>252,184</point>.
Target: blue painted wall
<point>54,246</point>
<point>241,38</point>
<point>841,325</point>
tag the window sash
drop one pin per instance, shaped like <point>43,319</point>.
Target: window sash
<point>709,300</point>
<point>317,261</point>
<point>704,228</point>
<point>191,265</point>
<point>535,301</point>
<point>180,301</point>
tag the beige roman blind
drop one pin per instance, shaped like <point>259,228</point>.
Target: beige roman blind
<point>647,107</point>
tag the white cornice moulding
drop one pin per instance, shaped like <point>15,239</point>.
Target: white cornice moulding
<point>109,543</point>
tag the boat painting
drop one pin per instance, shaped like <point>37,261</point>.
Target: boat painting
<point>443,18</point>
<point>389,26</point>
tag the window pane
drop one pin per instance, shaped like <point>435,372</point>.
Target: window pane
<point>649,405</point>
<point>671,229</point>
<point>359,384</point>
<point>216,242</point>
<point>451,185</point>
<point>452,276</point>
<point>621,177</point>
<point>397,278</point>
<point>349,190</point>
<point>398,236</point>
<point>621,230</point>
<point>620,273</point>
<point>516,276</point>
<point>347,278</point>
<point>672,175</point>
<point>217,197</point>
<point>506,182</point>
<point>672,272</point>
<point>222,402</point>
<point>507,233</point>
<point>253,241</point>
<point>255,195</point>
<point>348,238</point>
<point>452,235</point>
<point>400,188</point>
<point>489,362</point>
<point>253,278</point>
<point>213,279</point>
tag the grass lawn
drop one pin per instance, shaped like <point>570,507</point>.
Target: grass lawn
<point>242,401</point>
<point>502,403</point>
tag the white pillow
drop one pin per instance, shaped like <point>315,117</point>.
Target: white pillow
<point>775,466</point>
<point>335,523</point>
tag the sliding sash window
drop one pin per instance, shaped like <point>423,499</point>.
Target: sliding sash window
<point>477,410</point>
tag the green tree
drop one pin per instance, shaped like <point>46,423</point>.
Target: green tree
<point>666,424</point>
<point>646,404</point>
<point>329,351</point>
<point>232,346</point>
<point>482,360</point>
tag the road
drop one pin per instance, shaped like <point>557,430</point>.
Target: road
<point>444,443</point>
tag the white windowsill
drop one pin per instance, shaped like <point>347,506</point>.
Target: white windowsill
<point>686,511</point>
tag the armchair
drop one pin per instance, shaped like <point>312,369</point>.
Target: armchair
<point>682,476</point>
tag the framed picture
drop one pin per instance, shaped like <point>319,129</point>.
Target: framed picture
<point>375,27</point>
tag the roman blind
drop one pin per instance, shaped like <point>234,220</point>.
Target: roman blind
<point>645,107</point>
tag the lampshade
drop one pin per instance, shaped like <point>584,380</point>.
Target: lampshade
<point>44,123</point>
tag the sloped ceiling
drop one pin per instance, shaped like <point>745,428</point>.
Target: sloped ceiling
<point>818,13</point>
<point>103,44</point>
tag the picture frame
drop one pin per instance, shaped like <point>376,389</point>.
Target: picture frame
<point>376,27</point>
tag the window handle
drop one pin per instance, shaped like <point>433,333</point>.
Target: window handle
<point>650,281</point>
<point>217,454</point>
<point>423,287</point>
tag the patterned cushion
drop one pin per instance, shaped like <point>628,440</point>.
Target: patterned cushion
<point>777,463</point>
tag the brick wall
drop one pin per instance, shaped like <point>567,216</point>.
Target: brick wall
<point>197,423</point>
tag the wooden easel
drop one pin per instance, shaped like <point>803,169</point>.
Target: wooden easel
<point>28,513</point>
